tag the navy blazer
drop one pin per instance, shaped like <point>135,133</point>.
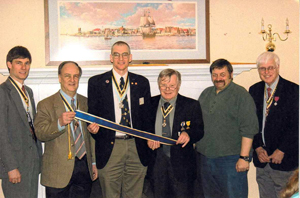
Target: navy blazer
<point>101,103</point>
<point>183,160</point>
<point>282,125</point>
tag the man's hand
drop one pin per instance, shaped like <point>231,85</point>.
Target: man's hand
<point>66,118</point>
<point>93,128</point>
<point>95,172</point>
<point>262,155</point>
<point>14,176</point>
<point>242,165</point>
<point>184,138</point>
<point>153,144</point>
<point>277,156</point>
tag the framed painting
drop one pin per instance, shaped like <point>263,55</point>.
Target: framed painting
<point>158,32</point>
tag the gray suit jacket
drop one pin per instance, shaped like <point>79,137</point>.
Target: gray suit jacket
<point>17,148</point>
<point>56,168</point>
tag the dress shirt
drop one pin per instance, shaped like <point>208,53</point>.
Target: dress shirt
<point>118,111</point>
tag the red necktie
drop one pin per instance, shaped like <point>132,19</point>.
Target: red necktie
<point>269,92</point>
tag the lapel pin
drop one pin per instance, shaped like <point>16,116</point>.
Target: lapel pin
<point>276,98</point>
<point>107,81</point>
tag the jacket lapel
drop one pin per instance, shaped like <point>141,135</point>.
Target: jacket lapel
<point>177,116</point>
<point>18,102</point>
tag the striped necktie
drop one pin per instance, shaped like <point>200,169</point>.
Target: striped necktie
<point>79,141</point>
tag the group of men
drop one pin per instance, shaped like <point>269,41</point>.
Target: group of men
<point>221,128</point>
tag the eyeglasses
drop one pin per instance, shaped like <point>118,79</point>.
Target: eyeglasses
<point>171,87</point>
<point>125,55</point>
<point>263,69</point>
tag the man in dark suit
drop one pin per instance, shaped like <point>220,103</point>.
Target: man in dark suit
<point>20,150</point>
<point>122,97</point>
<point>67,170</point>
<point>179,118</point>
<point>276,146</point>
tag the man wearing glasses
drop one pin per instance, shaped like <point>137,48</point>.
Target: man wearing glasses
<point>276,146</point>
<point>124,98</point>
<point>179,118</point>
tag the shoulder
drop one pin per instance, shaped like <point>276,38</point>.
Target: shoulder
<point>257,85</point>
<point>288,84</point>
<point>49,100</point>
<point>137,77</point>
<point>100,77</point>
<point>187,99</point>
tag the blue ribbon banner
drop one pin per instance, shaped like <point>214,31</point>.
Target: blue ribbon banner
<point>86,117</point>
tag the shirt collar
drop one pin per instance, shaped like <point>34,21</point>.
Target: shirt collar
<point>118,76</point>
<point>274,84</point>
<point>67,97</point>
<point>18,83</point>
<point>172,102</point>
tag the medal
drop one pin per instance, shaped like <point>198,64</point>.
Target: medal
<point>188,123</point>
<point>164,124</point>
<point>121,105</point>
<point>182,126</point>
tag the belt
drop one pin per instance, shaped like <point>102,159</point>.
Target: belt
<point>124,137</point>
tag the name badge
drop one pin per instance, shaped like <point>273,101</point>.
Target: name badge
<point>142,101</point>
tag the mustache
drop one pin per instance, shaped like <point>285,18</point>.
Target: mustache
<point>219,81</point>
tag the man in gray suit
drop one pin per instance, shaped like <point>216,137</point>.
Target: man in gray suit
<point>20,151</point>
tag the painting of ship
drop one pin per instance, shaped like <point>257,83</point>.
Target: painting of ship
<point>147,25</point>
<point>107,35</point>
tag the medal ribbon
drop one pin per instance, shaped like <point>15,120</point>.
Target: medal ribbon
<point>68,106</point>
<point>121,93</point>
<point>86,117</point>
<point>166,112</point>
<point>24,96</point>
<point>270,99</point>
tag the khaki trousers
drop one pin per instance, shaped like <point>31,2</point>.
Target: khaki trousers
<point>123,174</point>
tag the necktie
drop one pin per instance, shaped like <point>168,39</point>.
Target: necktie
<point>269,92</point>
<point>79,141</point>
<point>29,119</point>
<point>125,117</point>
<point>166,129</point>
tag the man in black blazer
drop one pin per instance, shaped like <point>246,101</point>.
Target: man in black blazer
<point>21,152</point>
<point>119,95</point>
<point>179,118</point>
<point>276,146</point>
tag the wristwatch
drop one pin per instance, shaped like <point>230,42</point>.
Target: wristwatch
<point>246,158</point>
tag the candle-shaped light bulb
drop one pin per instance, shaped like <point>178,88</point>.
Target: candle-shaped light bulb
<point>287,24</point>
<point>262,25</point>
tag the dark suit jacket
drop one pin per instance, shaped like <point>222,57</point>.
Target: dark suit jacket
<point>57,169</point>
<point>282,126</point>
<point>101,103</point>
<point>16,141</point>
<point>183,160</point>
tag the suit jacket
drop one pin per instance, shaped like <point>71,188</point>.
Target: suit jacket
<point>183,160</point>
<point>101,103</point>
<point>282,125</point>
<point>57,170</point>
<point>16,143</point>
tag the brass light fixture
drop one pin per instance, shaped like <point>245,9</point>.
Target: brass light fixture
<point>269,36</point>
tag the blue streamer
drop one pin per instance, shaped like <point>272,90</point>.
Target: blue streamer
<point>123,129</point>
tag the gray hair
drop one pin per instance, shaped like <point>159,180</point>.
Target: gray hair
<point>167,73</point>
<point>267,56</point>
<point>119,43</point>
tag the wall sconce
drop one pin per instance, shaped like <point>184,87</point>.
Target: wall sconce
<point>268,36</point>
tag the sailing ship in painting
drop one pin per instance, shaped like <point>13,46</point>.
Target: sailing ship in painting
<point>107,35</point>
<point>147,25</point>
